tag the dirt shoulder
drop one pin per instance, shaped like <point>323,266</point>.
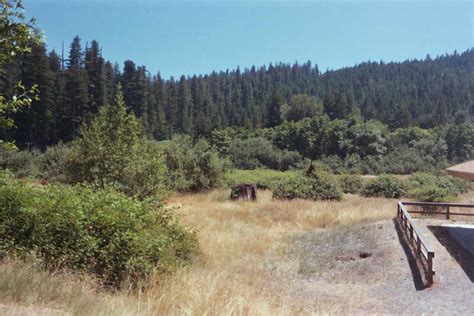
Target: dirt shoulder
<point>332,267</point>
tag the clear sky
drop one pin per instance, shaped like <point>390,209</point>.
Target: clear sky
<point>196,37</point>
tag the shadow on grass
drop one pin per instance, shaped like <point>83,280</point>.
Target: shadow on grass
<point>463,256</point>
<point>416,271</point>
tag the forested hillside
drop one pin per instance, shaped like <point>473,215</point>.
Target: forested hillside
<point>425,93</point>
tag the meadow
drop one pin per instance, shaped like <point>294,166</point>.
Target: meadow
<point>243,267</point>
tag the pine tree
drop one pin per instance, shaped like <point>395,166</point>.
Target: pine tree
<point>95,68</point>
<point>35,122</point>
<point>185,107</point>
<point>274,106</point>
<point>76,89</point>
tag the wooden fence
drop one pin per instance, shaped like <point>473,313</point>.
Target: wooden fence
<point>435,205</point>
<point>423,252</point>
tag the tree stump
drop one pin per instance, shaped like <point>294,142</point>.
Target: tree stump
<point>244,192</point>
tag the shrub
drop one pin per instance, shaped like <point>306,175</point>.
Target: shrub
<point>21,163</point>
<point>350,183</point>
<point>262,178</point>
<point>316,184</point>
<point>431,193</point>
<point>258,152</point>
<point>52,163</point>
<point>322,185</point>
<point>103,232</point>
<point>192,167</point>
<point>111,151</point>
<point>293,187</point>
<point>384,186</point>
<point>435,188</point>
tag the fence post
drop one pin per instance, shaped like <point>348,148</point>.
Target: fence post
<point>429,272</point>
<point>447,213</point>
<point>418,246</point>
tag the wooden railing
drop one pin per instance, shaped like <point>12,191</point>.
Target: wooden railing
<point>435,205</point>
<point>423,252</point>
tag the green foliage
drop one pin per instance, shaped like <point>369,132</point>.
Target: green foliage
<point>384,186</point>
<point>52,163</point>
<point>435,188</point>
<point>300,106</point>
<point>293,187</point>
<point>49,165</point>
<point>98,231</point>
<point>112,151</point>
<point>460,142</point>
<point>350,183</point>
<point>21,163</point>
<point>192,167</point>
<point>16,36</point>
<point>258,152</point>
<point>322,184</point>
<point>262,178</point>
<point>316,184</point>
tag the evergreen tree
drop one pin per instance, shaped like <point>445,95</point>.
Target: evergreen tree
<point>95,68</point>
<point>185,107</point>
<point>76,89</point>
<point>274,106</point>
<point>35,123</point>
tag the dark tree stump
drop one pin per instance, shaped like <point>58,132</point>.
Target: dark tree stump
<point>244,192</point>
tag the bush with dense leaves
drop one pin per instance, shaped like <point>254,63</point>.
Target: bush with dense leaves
<point>52,163</point>
<point>322,184</point>
<point>49,165</point>
<point>350,183</point>
<point>258,152</point>
<point>111,151</point>
<point>293,187</point>
<point>21,163</point>
<point>316,184</point>
<point>384,186</point>
<point>192,166</point>
<point>435,188</point>
<point>102,232</point>
<point>262,178</point>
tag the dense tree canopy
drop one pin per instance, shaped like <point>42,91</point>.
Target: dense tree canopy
<point>17,35</point>
<point>425,93</point>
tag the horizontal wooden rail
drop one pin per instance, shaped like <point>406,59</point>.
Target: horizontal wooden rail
<point>422,249</point>
<point>448,206</point>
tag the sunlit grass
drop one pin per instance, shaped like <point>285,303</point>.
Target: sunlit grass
<point>243,254</point>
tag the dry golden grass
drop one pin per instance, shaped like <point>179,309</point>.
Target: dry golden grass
<point>244,252</point>
<point>244,265</point>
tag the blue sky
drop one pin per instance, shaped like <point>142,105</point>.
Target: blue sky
<point>196,37</point>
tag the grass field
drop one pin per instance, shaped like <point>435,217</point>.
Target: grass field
<point>242,268</point>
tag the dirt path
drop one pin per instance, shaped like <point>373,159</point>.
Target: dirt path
<point>331,271</point>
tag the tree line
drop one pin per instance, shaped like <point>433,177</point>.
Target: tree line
<point>72,88</point>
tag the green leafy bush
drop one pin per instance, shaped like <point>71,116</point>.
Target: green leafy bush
<point>102,232</point>
<point>316,184</point>
<point>52,163</point>
<point>350,183</point>
<point>20,162</point>
<point>262,178</point>
<point>322,185</point>
<point>258,152</point>
<point>384,186</point>
<point>292,187</point>
<point>192,167</point>
<point>111,151</point>
<point>435,188</point>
